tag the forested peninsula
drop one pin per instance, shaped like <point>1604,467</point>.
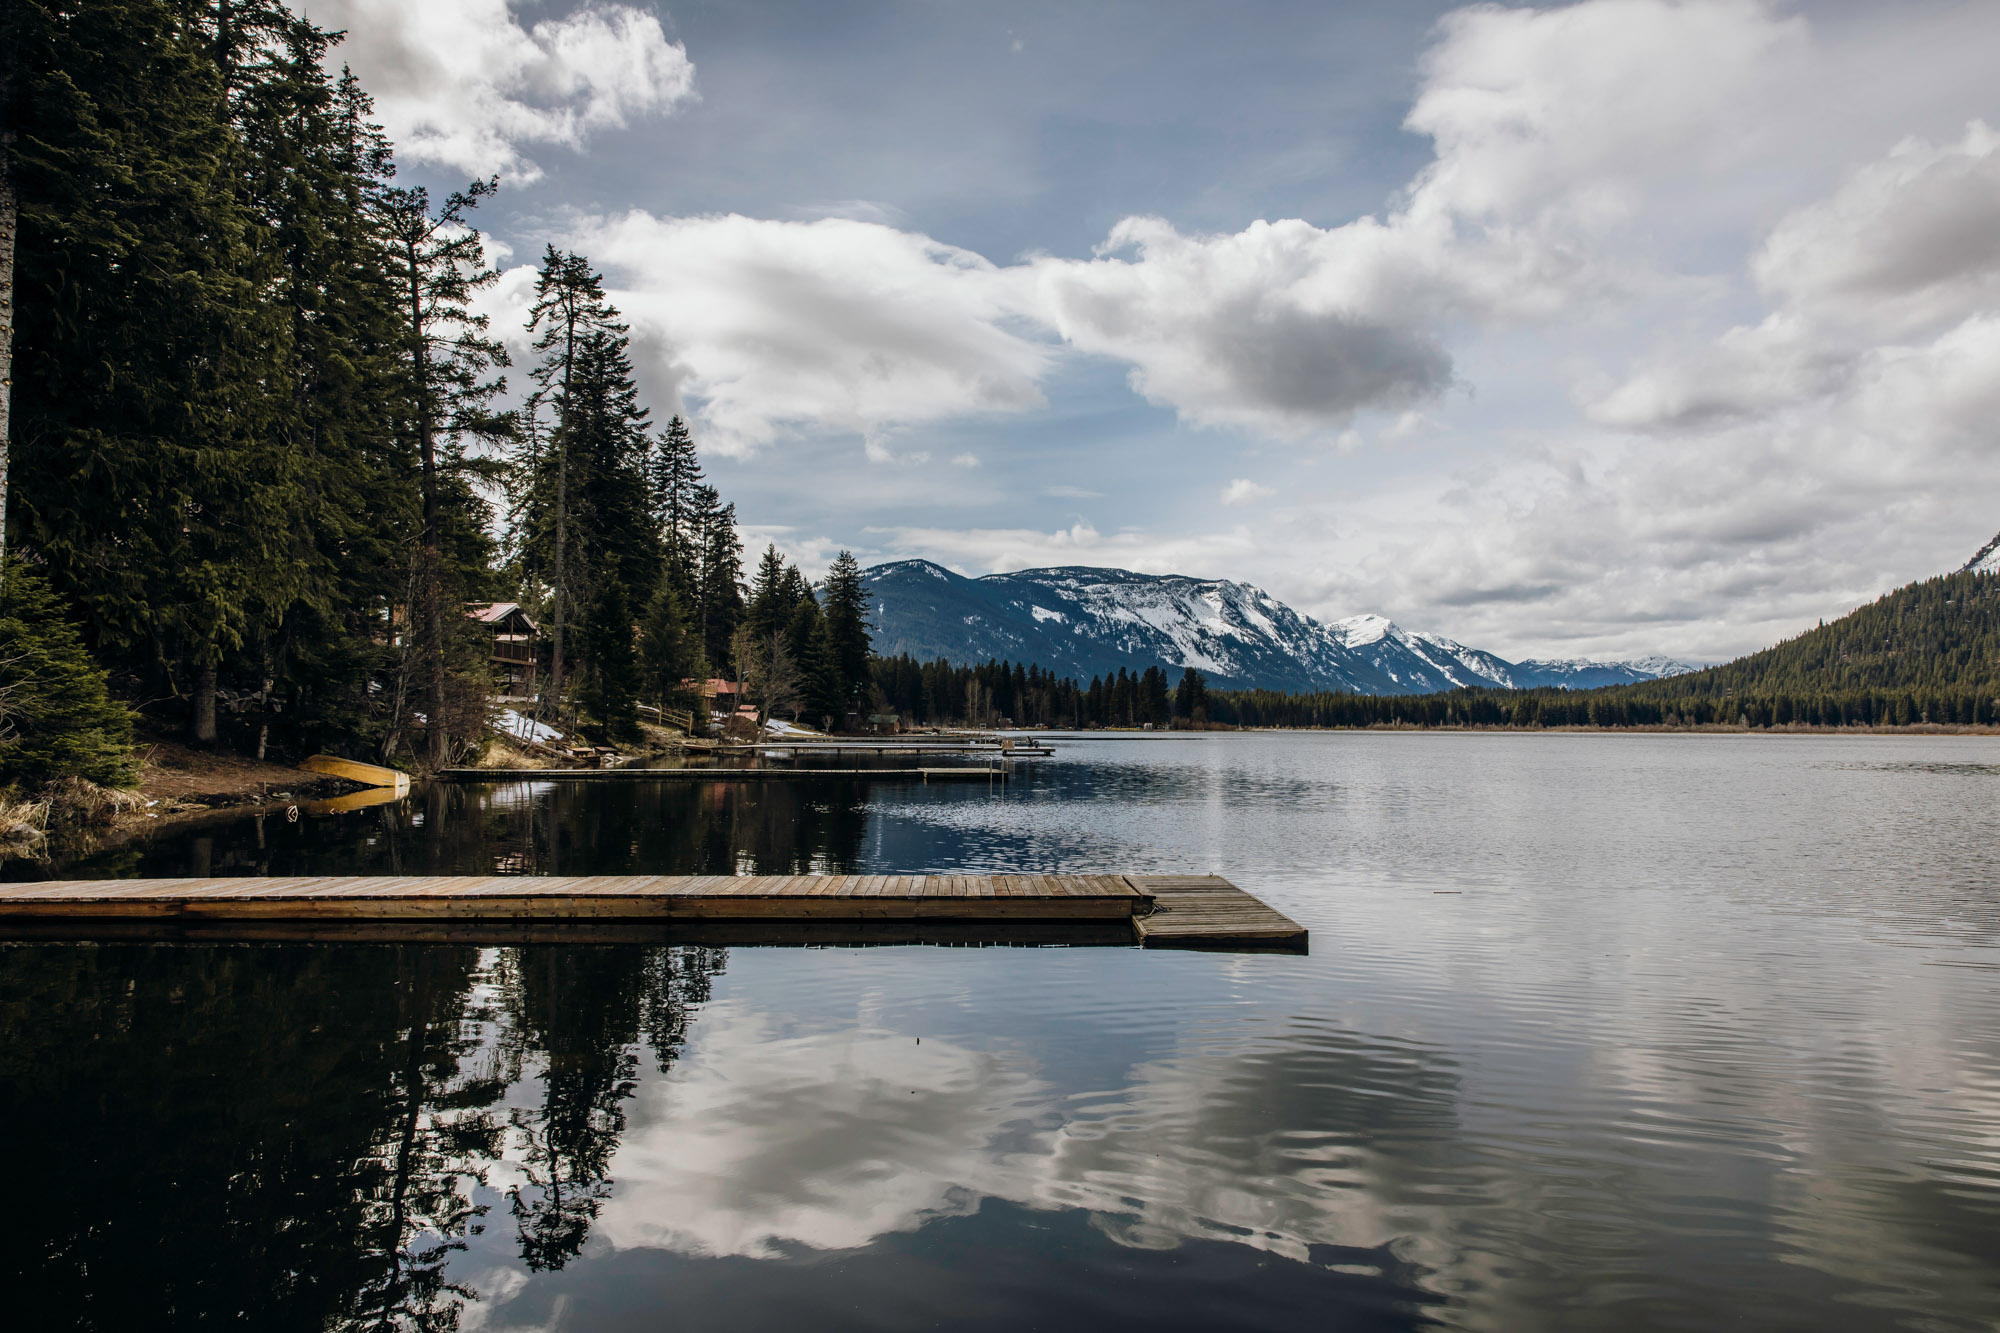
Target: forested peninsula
<point>271,478</point>
<point>264,452</point>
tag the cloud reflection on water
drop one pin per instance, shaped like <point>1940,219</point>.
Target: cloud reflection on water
<point>766,1138</point>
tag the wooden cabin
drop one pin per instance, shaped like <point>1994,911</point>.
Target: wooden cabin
<point>722,697</point>
<point>516,644</point>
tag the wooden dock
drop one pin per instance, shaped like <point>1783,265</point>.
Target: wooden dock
<point>1156,911</point>
<point>962,773</point>
<point>1208,912</point>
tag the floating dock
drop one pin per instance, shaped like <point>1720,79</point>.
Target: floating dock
<point>1157,911</point>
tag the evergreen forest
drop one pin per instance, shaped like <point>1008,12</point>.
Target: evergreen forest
<point>263,449</point>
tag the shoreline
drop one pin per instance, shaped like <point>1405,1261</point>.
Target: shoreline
<point>180,786</point>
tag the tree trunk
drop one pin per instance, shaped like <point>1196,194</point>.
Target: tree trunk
<point>432,648</point>
<point>430,641</point>
<point>203,729</point>
<point>264,711</point>
<point>9,223</point>
<point>562,586</point>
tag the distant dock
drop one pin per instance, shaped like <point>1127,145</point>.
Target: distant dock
<point>1156,911</point>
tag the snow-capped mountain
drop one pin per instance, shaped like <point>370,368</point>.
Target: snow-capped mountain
<point>1087,622</point>
<point>1987,561</point>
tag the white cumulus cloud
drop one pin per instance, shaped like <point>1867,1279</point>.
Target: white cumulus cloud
<point>463,84</point>
<point>1550,128</point>
<point>1243,491</point>
<point>1906,241</point>
<point>834,325</point>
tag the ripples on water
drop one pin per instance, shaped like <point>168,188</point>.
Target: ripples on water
<point>1597,1032</point>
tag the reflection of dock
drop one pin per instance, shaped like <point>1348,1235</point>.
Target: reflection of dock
<point>1158,911</point>
<point>966,773</point>
<point>790,748</point>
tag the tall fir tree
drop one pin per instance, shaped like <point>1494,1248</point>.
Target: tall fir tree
<point>718,574</point>
<point>670,651</point>
<point>845,604</point>
<point>612,678</point>
<point>437,263</point>
<point>319,166</point>
<point>772,595</point>
<point>584,512</point>
<point>674,471</point>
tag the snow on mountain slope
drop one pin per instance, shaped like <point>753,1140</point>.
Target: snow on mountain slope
<point>1987,561</point>
<point>1583,674</point>
<point>1088,622</point>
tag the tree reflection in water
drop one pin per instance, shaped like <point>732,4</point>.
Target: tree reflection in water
<point>586,1012</point>
<point>292,1137</point>
<point>528,828</point>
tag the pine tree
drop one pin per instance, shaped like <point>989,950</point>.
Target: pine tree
<point>583,512</point>
<point>669,650</point>
<point>1191,698</point>
<point>845,605</point>
<point>824,697</point>
<point>570,306</point>
<point>57,717</point>
<point>718,580</point>
<point>614,674</point>
<point>437,263</point>
<point>673,473</point>
<point>318,169</point>
<point>772,594</point>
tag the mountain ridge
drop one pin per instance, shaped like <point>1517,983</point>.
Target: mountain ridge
<point>1084,621</point>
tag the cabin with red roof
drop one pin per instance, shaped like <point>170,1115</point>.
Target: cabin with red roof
<point>516,646</point>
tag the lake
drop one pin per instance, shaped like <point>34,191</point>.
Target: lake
<point>1597,1032</point>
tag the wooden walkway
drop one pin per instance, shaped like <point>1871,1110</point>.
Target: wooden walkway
<point>1208,912</point>
<point>1159,911</point>
<point>961,774</point>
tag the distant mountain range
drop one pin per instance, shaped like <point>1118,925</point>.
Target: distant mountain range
<point>1086,622</point>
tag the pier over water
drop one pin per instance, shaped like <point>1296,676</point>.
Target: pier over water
<point>1204,912</point>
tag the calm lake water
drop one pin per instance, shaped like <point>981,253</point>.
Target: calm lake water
<point>1597,1032</point>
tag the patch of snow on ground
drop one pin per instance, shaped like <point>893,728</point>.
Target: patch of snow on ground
<point>1042,613</point>
<point>778,727</point>
<point>525,728</point>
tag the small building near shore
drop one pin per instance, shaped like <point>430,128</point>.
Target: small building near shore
<point>721,697</point>
<point>515,648</point>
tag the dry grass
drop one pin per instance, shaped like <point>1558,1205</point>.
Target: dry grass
<point>75,803</point>
<point>24,827</point>
<point>502,752</point>
<point>661,740</point>
<point>63,808</point>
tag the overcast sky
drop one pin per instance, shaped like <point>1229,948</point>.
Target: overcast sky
<point>1609,329</point>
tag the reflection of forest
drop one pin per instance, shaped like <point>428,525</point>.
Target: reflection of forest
<point>290,1137</point>
<point>538,828</point>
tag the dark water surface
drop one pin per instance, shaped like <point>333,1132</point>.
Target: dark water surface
<point>1597,1032</point>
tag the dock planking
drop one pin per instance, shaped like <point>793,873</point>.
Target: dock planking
<point>1159,911</point>
<point>1208,912</point>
